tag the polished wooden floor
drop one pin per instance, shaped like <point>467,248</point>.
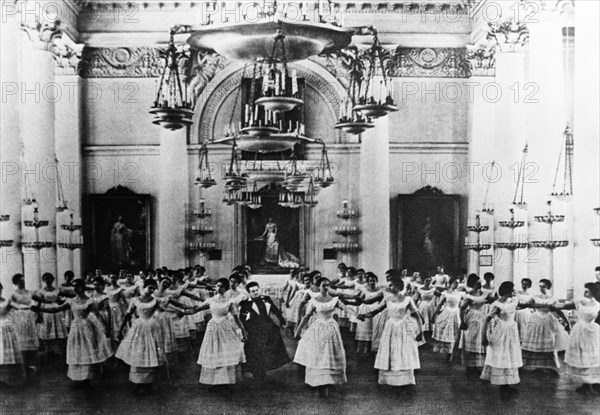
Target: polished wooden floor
<point>441,389</point>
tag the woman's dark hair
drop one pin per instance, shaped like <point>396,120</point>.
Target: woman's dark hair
<point>360,270</point>
<point>371,275</point>
<point>320,281</point>
<point>488,276</point>
<point>351,271</point>
<point>236,276</point>
<point>47,277</point>
<point>251,284</point>
<point>167,279</point>
<point>99,280</point>
<point>150,282</point>
<point>224,282</point>
<point>593,288</point>
<point>1,286</point>
<point>313,274</point>
<point>69,274</point>
<point>506,288</point>
<point>472,280</point>
<point>341,265</point>
<point>16,278</point>
<point>546,282</point>
<point>397,282</point>
<point>452,280</point>
<point>79,283</point>
<point>527,281</point>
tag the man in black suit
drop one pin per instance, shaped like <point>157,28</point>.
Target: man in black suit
<point>264,348</point>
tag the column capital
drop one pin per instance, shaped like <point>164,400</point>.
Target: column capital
<point>509,37</point>
<point>67,56</point>
<point>42,36</point>
<point>481,59</point>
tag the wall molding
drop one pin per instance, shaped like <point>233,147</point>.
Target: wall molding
<point>429,148</point>
<point>124,151</point>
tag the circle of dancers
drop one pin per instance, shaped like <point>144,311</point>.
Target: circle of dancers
<point>151,319</point>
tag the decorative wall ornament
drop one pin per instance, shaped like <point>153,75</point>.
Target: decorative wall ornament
<point>67,59</point>
<point>203,68</point>
<point>140,62</point>
<point>429,62</point>
<point>482,60</point>
<point>510,36</point>
<point>42,35</point>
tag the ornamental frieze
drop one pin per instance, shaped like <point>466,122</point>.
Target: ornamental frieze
<point>140,62</point>
<point>429,63</point>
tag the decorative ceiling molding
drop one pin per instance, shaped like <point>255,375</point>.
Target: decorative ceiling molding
<point>138,62</point>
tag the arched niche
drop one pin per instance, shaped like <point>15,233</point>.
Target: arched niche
<point>323,96</point>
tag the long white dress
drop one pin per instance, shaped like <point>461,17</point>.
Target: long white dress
<point>398,354</point>
<point>539,340</point>
<point>87,344</point>
<point>321,349</point>
<point>24,320</point>
<point>143,348</point>
<point>12,371</point>
<point>447,324</point>
<point>582,356</point>
<point>523,315</point>
<point>364,329</point>
<point>222,350</point>
<point>426,306</point>
<point>503,353</point>
<point>52,330</point>
<point>471,338</point>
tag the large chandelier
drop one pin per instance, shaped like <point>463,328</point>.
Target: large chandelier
<point>172,108</point>
<point>269,123</point>
<point>371,103</point>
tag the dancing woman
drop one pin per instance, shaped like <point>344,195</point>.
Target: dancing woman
<point>24,320</point>
<point>398,354</point>
<point>143,348</point>
<point>501,339</point>
<point>321,349</point>
<point>222,351</point>
<point>582,356</point>
<point>524,297</point>
<point>87,345</point>
<point>543,328</point>
<point>424,298</point>
<point>446,326</point>
<point>364,328</point>
<point>473,320</point>
<point>117,306</point>
<point>12,371</point>
<point>52,328</point>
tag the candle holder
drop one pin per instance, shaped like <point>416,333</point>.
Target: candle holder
<point>259,131</point>
<point>550,245</point>
<point>203,231</point>
<point>346,213</point>
<point>597,210</point>
<point>35,223</point>
<point>346,230</point>
<point>4,243</point>
<point>520,205</point>
<point>596,242</point>
<point>71,227</point>
<point>37,245</point>
<point>70,245</point>
<point>512,223</point>
<point>4,218</point>
<point>477,247</point>
<point>346,246</point>
<point>202,246</point>
<point>511,246</point>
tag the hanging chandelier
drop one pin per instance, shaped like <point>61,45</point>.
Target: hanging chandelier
<point>204,179</point>
<point>565,161</point>
<point>172,108</point>
<point>371,103</point>
<point>280,92</point>
<point>352,121</point>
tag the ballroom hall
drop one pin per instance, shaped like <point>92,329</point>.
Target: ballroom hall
<point>300,207</point>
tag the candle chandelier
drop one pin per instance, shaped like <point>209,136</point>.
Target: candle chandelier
<point>172,108</point>
<point>271,120</point>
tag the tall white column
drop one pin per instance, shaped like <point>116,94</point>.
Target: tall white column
<point>173,196</point>
<point>586,152</point>
<point>507,96</point>
<point>39,93</point>
<point>10,143</point>
<point>68,153</point>
<point>481,138</point>
<point>375,197</point>
<point>547,117</point>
